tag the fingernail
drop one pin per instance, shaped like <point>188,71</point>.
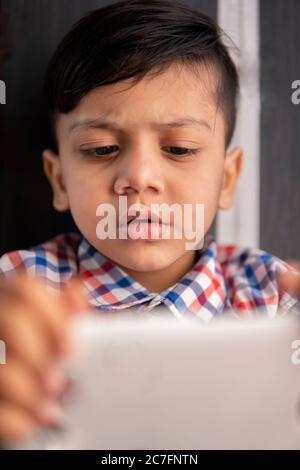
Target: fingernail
<point>55,381</point>
<point>50,414</point>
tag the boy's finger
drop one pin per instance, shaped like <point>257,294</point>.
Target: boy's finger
<point>24,341</point>
<point>76,297</point>
<point>48,311</point>
<point>294,264</point>
<point>15,422</point>
<point>20,386</point>
<point>290,280</point>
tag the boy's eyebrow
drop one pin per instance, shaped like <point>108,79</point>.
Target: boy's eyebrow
<point>103,123</point>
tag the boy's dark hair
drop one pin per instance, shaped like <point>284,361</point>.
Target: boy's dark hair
<point>129,39</point>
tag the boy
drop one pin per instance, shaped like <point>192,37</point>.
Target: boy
<point>142,96</point>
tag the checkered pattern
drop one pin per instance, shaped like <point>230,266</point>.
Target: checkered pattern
<point>224,277</point>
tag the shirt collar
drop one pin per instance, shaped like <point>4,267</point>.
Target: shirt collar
<point>201,291</point>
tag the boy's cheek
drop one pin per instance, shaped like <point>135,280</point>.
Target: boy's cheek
<point>83,210</point>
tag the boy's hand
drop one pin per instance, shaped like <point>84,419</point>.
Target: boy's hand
<point>291,280</point>
<point>33,325</point>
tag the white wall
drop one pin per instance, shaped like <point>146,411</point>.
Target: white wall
<point>240,20</point>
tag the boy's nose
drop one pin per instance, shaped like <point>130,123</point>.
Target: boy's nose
<point>139,173</point>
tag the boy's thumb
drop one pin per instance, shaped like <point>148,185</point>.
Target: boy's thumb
<point>75,297</point>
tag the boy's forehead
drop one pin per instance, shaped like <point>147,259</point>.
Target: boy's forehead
<point>173,95</point>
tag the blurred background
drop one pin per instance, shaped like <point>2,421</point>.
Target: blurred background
<point>267,203</point>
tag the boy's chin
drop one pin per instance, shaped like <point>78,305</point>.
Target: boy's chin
<point>143,256</point>
<point>145,262</point>
<point>145,259</point>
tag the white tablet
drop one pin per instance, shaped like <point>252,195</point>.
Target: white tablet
<point>160,383</point>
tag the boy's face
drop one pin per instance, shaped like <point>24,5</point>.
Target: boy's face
<point>142,163</point>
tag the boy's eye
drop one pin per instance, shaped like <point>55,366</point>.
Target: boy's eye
<point>181,151</point>
<point>108,149</point>
<point>100,151</point>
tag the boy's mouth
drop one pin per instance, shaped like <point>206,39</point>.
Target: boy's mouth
<point>150,225</point>
<point>142,216</point>
<point>146,228</point>
<point>145,217</point>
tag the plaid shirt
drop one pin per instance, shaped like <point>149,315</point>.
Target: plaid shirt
<point>224,277</point>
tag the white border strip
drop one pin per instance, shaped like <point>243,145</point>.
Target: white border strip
<point>240,20</point>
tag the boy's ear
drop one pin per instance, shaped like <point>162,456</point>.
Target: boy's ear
<point>232,170</point>
<point>53,171</point>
